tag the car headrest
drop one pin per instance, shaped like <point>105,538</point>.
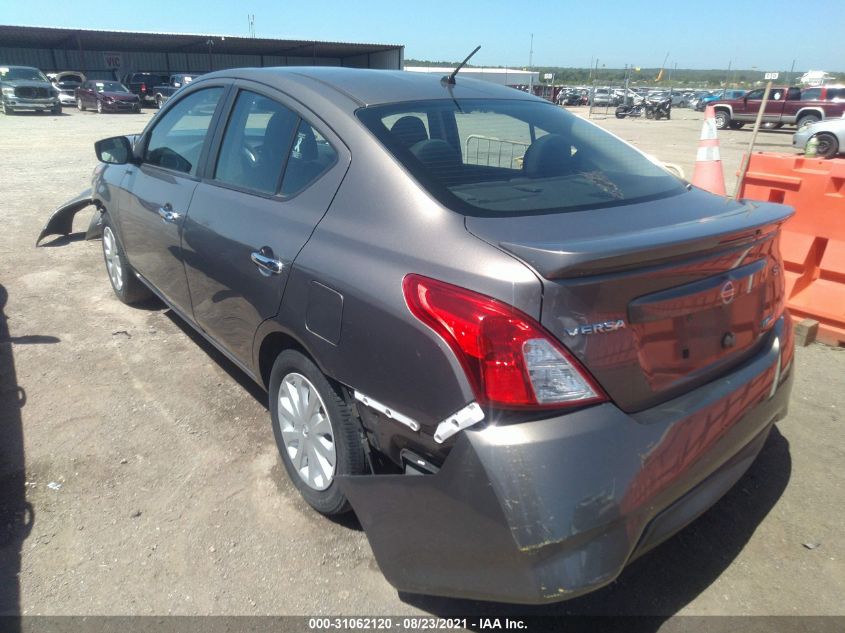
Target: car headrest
<point>548,156</point>
<point>409,130</point>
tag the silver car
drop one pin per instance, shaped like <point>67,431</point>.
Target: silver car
<point>829,133</point>
<point>522,352</point>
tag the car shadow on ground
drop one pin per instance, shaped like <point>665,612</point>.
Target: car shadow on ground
<point>16,515</point>
<point>235,372</point>
<point>662,582</point>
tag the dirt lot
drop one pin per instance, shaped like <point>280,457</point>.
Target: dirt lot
<point>150,481</point>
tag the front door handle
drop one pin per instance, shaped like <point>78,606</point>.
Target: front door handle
<point>266,262</point>
<point>167,214</point>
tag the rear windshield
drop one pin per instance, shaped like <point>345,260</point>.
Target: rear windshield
<point>501,157</point>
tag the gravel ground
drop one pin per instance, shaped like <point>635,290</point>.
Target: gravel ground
<point>150,482</point>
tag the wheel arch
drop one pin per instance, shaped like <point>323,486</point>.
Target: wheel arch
<point>809,110</point>
<point>269,345</point>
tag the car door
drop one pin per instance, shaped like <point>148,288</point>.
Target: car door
<point>158,191</point>
<point>747,108</point>
<point>277,169</point>
<point>85,94</point>
<point>775,104</point>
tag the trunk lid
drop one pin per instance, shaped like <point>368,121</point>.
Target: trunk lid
<point>654,298</point>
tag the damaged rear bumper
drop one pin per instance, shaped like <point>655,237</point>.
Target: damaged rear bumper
<point>544,511</point>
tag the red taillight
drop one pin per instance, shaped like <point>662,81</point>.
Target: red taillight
<point>510,360</point>
<point>143,87</point>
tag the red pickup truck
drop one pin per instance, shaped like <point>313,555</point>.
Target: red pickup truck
<point>786,106</point>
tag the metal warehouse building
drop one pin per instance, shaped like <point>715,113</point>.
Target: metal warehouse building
<point>108,54</point>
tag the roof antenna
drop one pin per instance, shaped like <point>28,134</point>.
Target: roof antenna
<point>451,78</point>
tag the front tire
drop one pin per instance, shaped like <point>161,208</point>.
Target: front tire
<point>79,105</point>
<point>125,284</point>
<point>317,434</point>
<point>828,146</point>
<point>7,110</point>
<point>723,120</point>
<point>99,107</point>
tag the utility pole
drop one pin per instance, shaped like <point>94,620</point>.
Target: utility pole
<point>531,61</point>
<point>728,75</point>
<point>791,70</point>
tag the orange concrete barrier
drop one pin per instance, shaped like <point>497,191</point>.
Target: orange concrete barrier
<point>813,240</point>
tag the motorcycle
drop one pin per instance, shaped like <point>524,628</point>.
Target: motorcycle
<point>651,109</point>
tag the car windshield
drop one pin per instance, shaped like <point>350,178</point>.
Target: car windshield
<point>512,157</point>
<point>110,86</point>
<point>25,74</point>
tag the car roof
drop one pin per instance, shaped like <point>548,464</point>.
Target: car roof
<point>371,87</point>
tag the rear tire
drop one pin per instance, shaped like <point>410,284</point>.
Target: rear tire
<point>315,422</point>
<point>808,119</point>
<point>125,284</point>
<point>723,120</point>
<point>828,146</point>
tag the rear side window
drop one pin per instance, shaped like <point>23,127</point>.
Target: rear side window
<point>811,94</point>
<point>311,155</point>
<point>177,139</point>
<point>836,94</point>
<point>511,157</point>
<point>256,143</point>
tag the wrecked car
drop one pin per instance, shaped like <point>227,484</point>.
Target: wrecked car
<point>519,350</point>
<point>26,88</point>
<point>66,82</point>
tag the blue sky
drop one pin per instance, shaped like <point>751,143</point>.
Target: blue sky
<point>705,34</point>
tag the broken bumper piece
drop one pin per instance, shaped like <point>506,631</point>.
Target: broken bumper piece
<point>61,220</point>
<point>544,511</point>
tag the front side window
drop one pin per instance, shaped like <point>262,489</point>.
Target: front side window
<point>255,144</point>
<point>511,157</point>
<point>177,139</point>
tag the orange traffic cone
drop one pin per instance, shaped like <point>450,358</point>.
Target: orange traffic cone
<point>708,162</point>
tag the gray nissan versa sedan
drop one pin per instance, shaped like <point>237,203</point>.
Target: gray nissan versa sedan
<point>522,352</point>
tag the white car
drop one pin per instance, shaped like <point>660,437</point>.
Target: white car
<point>66,82</point>
<point>830,135</point>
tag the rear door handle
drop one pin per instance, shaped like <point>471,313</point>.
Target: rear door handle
<point>267,264</point>
<point>167,214</point>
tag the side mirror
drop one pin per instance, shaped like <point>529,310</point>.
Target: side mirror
<point>116,150</point>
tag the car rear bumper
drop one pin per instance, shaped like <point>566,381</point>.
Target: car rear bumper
<point>544,511</point>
